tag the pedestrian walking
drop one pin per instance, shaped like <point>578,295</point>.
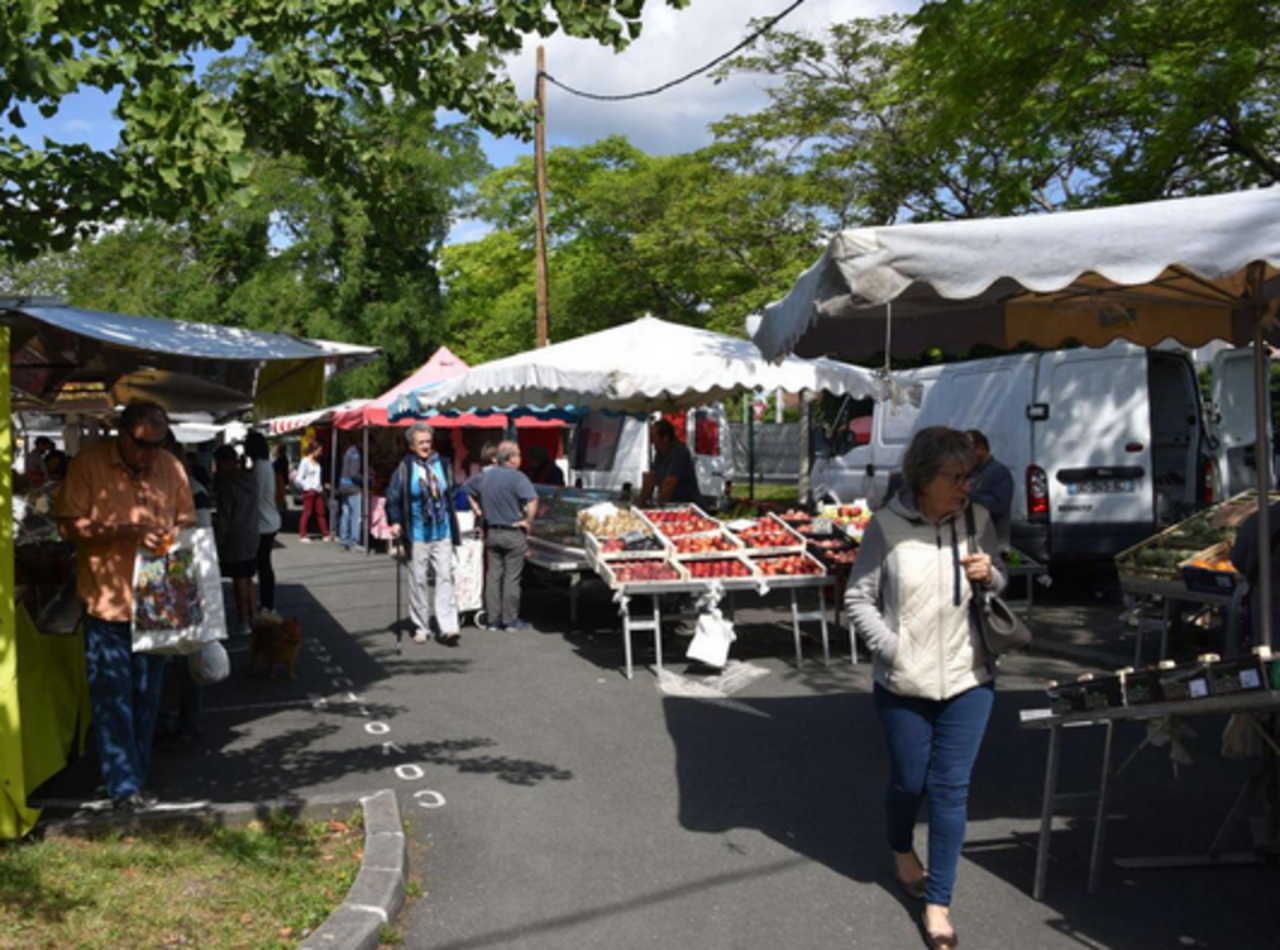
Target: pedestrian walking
<point>258,453</point>
<point>421,516</point>
<point>311,483</point>
<point>351,500</point>
<point>121,495</point>
<point>909,597</point>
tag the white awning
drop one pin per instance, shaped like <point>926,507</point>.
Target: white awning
<point>646,365</point>
<point>1142,272</point>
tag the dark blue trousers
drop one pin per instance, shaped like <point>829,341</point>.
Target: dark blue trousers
<point>932,748</point>
<point>124,693</point>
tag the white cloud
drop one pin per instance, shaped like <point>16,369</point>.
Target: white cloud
<point>673,43</point>
<point>77,126</point>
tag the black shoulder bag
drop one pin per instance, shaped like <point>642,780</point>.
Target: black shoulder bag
<point>1001,629</point>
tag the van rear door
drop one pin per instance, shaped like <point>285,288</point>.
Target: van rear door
<point>1231,426</point>
<point>1094,447</point>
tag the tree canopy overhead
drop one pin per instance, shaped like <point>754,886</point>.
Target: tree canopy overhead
<point>185,144</point>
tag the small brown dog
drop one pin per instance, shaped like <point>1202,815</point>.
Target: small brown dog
<point>275,642</point>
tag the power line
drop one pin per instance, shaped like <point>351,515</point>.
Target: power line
<point>769,24</point>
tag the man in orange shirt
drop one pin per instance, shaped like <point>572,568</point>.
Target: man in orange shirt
<point>117,495</point>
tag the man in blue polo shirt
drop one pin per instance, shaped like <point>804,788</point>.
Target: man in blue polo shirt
<point>508,503</point>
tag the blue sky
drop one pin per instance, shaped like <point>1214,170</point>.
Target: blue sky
<point>672,43</point>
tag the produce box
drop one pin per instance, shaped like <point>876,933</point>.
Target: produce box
<point>705,544</point>
<point>640,543</point>
<point>641,572</point>
<point>681,520</point>
<point>787,565</point>
<point>1185,681</point>
<point>1211,570</point>
<point>1089,693</point>
<point>835,553</point>
<point>1143,686</point>
<point>767,535</point>
<point>611,521</point>
<point>1238,674</point>
<point>732,567</point>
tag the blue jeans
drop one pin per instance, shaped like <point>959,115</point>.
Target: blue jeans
<point>124,692</point>
<point>932,748</point>
<point>350,522</point>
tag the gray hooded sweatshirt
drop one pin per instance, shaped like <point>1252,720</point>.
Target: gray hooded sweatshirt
<point>909,599</point>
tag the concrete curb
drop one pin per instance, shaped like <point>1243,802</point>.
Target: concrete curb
<point>379,889</point>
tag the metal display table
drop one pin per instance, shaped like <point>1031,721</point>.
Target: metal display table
<point>562,559</point>
<point>624,593</point>
<point>1255,704</point>
<point>1029,569</point>
<point>1172,592</point>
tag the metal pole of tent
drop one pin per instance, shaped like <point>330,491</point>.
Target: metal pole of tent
<point>333,476</point>
<point>366,505</point>
<point>1262,450</point>
<point>804,488</point>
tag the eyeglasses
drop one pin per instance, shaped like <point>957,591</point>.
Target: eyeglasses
<point>957,478</point>
<point>147,444</point>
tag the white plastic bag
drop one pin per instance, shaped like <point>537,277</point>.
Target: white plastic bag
<point>711,640</point>
<point>210,664</point>
<point>177,596</point>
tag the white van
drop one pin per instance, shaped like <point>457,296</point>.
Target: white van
<point>1103,444</point>
<point>610,451</point>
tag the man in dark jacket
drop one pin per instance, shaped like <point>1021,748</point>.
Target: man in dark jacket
<point>508,502</point>
<point>991,485</point>
<point>421,515</point>
<point>236,530</point>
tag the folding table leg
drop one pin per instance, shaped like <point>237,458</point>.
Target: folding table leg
<point>1100,826</point>
<point>1046,812</point>
<point>795,627</point>
<point>626,633</point>
<point>822,613</point>
<point>657,632</point>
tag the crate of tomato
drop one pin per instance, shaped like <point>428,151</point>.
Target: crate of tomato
<point>641,573</point>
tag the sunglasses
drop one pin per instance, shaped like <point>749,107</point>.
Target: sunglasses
<point>148,444</point>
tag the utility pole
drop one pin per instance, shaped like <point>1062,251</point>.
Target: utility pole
<point>540,174</point>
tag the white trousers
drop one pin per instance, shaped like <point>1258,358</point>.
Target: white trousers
<point>432,558</point>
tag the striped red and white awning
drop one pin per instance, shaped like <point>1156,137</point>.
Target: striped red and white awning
<point>282,425</point>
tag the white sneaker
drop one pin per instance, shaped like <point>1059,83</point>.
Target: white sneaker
<point>420,637</point>
<point>305,540</point>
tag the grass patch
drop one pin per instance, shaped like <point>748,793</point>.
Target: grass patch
<point>261,887</point>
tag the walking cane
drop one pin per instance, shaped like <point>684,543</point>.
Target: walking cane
<point>399,625</point>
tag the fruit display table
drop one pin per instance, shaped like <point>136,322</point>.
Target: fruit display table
<point>683,553</point>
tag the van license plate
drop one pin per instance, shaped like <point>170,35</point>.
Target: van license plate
<point>1101,486</point>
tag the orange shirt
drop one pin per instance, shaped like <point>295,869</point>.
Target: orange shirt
<point>100,488</point>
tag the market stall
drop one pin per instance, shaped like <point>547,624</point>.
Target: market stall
<point>645,366</point>
<point>1188,564</point>
<point>100,360</point>
<point>1192,269</point>
<point>1248,689</point>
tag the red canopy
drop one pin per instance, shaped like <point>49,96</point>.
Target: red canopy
<point>443,365</point>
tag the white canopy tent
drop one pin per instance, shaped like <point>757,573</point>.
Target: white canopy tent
<point>1195,269</point>
<point>642,366</point>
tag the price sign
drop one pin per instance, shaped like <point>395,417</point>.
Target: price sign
<point>632,537</point>
<point>823,527</point>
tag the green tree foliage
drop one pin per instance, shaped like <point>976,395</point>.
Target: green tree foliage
<point>685,238</point>
<point>349,258</point>
<point>1164,97</point>
<point>974,108</point>
<point>187,144</point>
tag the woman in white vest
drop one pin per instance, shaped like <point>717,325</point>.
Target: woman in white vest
<point>908,598</point>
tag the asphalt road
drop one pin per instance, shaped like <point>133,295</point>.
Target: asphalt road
<point>555,804</point>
